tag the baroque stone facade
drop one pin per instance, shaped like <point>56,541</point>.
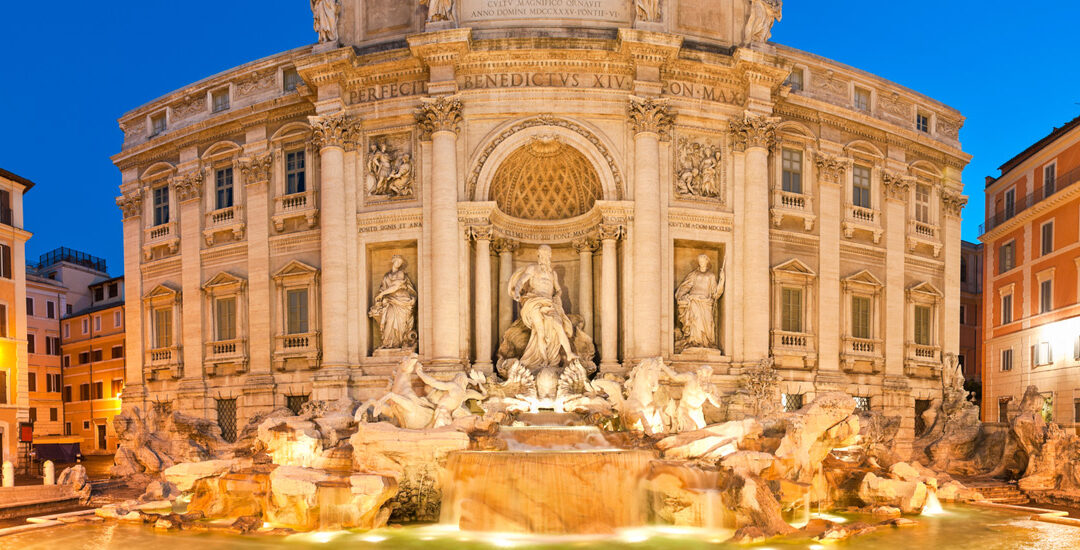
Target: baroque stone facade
<point>819,204</point>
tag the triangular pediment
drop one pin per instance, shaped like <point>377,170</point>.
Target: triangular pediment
<point>863,277</point>
<point>222,279</point>
<point>161,291</point>
<point>294,268</point>
<point>925,288</point>
<point>795,267</point>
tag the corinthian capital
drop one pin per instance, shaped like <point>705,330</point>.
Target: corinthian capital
<point>502,245</point>
<point>189,186</point>
<point>130,204</point>
<point>896,186</point>
<point>337,130</point>
<point>953,203</point>
<point>586,245</point>
<point>831,169</point>
<point>754,131</point>
<point>611,232</point>
<point>650,115</point>
<point>257,169</point>
<point>441,114</point>
<point>479,232</point>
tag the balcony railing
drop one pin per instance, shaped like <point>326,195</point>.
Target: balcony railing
<point>225,349</point>
<point>224,217</point>
<point>923,230</point>
<point>861,214</point>
<point>163,359</point>
<point>791,340</point>
<point>296,205</point>
<point>1040,194</point>
<point>161,232</point>
<point>292,351</point>
<point>862,346</point>
<point>796,205</point>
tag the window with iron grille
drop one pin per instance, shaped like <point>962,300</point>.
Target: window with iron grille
<point>224,188</point>
<point>791,401</point>
<point>792,168</point>
<point>226,410</point>
<point>862,403</point>
<point>295,402</point>
<point>295,173</point>
<point>860,186</point>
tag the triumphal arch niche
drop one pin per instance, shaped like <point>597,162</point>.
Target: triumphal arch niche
<point>561,184</point>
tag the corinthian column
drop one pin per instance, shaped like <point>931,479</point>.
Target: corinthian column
<point>755,135</point>
<point>609,297</point>
<point>505,248</point>
<point>439,120</point>
<point>257,172</point>
<point>897,188</point>
<point>585,249</point>
<point>952,205</point>
<point>651,122</point>
<point>830,181</point>
<point>131,204</point>
<point>482,329</point>
<point>331,134</point>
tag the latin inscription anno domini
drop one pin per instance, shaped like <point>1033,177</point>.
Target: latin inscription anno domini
<point>617,11</point>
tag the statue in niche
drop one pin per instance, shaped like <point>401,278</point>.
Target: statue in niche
<point>326,19</point>
<point>387,177</point>
<point>763,13</point>
<point>536,288</point>
<point>699,171</point>
<point>394,308</point>
<point>697,298</point>
<point>647,10</point>
<point>439,10</point>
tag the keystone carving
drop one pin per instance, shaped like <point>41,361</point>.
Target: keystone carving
<point>442,114</point>
<point>650,115</point>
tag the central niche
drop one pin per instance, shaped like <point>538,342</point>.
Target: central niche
<point>546,179</point>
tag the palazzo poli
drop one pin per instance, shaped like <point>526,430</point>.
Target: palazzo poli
<point>482,181</point>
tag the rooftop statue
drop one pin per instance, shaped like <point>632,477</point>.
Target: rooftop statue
<point>763,13</point>
<point>326,19</point>
<point>439,10</point>
<point>647,10</point>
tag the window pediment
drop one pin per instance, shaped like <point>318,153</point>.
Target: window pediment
<point>224,282</point>
<point>220,150</point>
<point>863,280</point>
<point>162,293</point>
<point>296,270</point>
<point>793,271</point>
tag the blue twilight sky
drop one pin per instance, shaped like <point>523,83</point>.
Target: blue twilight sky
<point>72,68</point>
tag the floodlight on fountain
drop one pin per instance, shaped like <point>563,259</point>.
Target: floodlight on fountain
<point>933,505</point>
<point>374,539</point>
<point>1061,334</point>
<point>830,517</point>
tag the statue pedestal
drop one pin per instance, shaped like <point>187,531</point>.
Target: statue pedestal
<point>323,47</point>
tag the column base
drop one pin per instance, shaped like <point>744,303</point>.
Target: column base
<point>486,367</point>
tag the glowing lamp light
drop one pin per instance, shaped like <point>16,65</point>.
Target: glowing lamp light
<point>373,539</point>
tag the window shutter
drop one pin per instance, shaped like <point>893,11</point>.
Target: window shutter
<point>6,251</point>
<point>1076,348</point>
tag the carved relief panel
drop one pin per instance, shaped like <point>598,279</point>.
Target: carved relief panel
<point>700,168</point>
<point>389,168</point>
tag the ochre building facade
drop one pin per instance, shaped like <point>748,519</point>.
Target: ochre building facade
<point>283,219</point>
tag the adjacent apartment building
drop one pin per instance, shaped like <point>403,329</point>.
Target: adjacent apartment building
<point>14,394</point>
<point>971,335</point>
<point>45,300</point>
<point>93,359</point>
<point>1030,311</point>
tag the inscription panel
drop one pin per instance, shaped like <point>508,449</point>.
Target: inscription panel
<point>480,13</point>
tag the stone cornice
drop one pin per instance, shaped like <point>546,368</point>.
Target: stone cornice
<point>1068,194</point>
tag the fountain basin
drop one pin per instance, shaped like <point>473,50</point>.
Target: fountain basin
<point>595,491</point>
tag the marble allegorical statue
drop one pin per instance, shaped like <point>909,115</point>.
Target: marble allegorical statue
<point>697,298</point>
<point>387,177</point>
<point>439,10</point>
<point>443,403</point>
<point>394,308</point>
<point>536,288</point>
<point>647,10</point>
<point>326,19</point>
<point>763,13</point>
<point>687,413</point>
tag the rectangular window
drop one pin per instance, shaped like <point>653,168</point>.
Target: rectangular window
<point>1046,296</point>
<point>3,321</point>
<point>85,326</point>
<point>862,404</point>
<point>226,412</point>
<point>67,428</point>
<point>295,173</point>
<point>295,402</point>
<point>97,323</point>
<point>114,290</point>
<point>963,315</point>
<point>50,310</point>
<point>54,349</point>
<point>860,317</point>
<point>922,203</point>
<point>225,321</point>
<point>30,344</point>
<point>117,352</point>
<point>157,125</point>
<point>1047,241</point>
<point>862,99</point>
<point>797,80</point>
<point>118,319</point>
<point>1003,410</point>
<point>224,188</point>
<point>99,294</point>
<point>33,415</point>
<point>792,310</point>
<point>1042,354</point>
<point>860,186</point>
<point>5,261</point>
<point>1076,349</point>
<point>1049,180</point>
<point>3,388</point>
<point>290,79</point>
<point>49,387</point>
<point>1006,359</point>
<point>96,355</point>
<point>31,381</point>
<point>1006,309</point>
<point>5,207</point>
<point>84,357</point>
<point>66,362</point>
<point>922,325</point>
<point>161,205</point>
<point>1006,257</point>
<point>84,392</point>
<point>220,100</point>
<point>163,327</point>
<point>792,168</point>
<point>53,416</point>
<point>791,401</point>
<point>117,387</point>
<point>67,394</point>
<point>1010,203</point>
<point>30,307</point>
<point>99,390</point>
<point>922,123</point>
<point>297,311</point>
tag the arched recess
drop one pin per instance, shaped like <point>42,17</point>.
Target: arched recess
<point>508,139</point>
<point>545,179</point>
<point>221,149</point>
<point>290,131</point>
<point>794,129</point>
<point>158,170</point>
<point>864,149</point>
